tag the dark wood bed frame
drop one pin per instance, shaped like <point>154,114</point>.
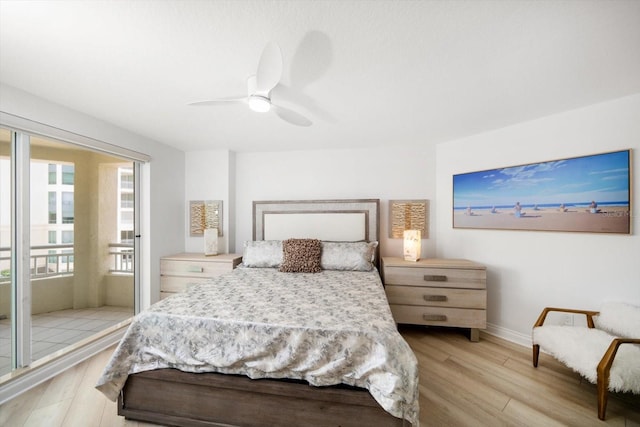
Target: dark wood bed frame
<point>172,397</point>
<point>176,398</point>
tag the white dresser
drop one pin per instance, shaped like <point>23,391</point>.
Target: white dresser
<point>445,292</point>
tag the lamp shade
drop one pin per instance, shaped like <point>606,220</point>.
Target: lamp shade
<point>211,241</point>
<point>411,245</point>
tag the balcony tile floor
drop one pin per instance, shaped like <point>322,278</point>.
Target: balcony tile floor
<point>53,331</point>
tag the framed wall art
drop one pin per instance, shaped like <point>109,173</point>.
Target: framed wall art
<point>204,214</point>
<point>582,194</point>
<point>408,215</point>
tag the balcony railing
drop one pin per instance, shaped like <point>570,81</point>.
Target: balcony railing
<point>58,260</point>
<point>51,260</point>
<point>122,257</point>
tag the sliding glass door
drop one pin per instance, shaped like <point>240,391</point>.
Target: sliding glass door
<point>77,278</point>
<point>6,342</point>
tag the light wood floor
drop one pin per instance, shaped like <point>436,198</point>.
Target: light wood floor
<point>490,383</point>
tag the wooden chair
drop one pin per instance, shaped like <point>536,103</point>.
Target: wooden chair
<point>606,352</point>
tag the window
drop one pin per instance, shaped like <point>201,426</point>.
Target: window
<point>126,218</point>
<point>66,260</point>
<point>52,259</point>
<point>67,174</point>
<point>53,238</point>
<point>53,174</point>
<point>127,180</point>
<point>126,200</point>
<point>67,236</point>
<point>67,207</point>
<point>126,236</point>
<point>52,207</point>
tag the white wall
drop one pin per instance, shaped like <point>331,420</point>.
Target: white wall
<point>399,172</point>
<point>207,178</point>
<point>166,213</point>
<point>528,270</point>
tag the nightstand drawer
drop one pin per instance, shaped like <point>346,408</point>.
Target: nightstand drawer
<point>164,295</point>
<point>443,297</point>
<point>193,268</point>
<point>178,271</point>
<point>455,317</point>
<point>178,284</point>
<point>435,277</point>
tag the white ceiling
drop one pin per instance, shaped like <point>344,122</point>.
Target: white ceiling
<point>367,73</point>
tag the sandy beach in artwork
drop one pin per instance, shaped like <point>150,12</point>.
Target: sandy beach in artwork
<point>608,220</point>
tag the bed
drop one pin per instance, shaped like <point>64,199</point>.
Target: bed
<point>265,347</point>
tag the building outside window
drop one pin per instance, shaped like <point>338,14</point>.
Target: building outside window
<point>68,173</point>
<point>53,174</point>
<point>67,207</point>
<point>126,236</point>
<point>53,207</point>
<point>125,205</point>
<point>126,178</point>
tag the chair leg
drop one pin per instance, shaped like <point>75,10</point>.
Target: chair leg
<point>602,396</point>
<point>536,353</point>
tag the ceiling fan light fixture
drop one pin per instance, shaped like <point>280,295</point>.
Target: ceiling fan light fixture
<point>259,104</point>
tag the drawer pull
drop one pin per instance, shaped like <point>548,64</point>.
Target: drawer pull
<point>195,269</point>
<point>434,317</point>
<point>434,297</point>
<point>435,278</point>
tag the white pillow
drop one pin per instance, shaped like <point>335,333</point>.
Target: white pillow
<point>348,256</point>
<point>262,253</point>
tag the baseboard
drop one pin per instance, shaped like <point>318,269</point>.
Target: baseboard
<point>509,335</point>
<point>36,375</point>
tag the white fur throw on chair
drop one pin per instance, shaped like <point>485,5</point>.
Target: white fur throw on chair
<point>607,355</point>
<point>622,320</point>
<point>582,348</point>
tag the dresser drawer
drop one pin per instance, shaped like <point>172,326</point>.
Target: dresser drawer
<point>438,297</point>
<point>443,316</point>
<point>193,268</point>
<point>435,277</point>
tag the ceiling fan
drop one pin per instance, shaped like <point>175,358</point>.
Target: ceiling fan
<point>259,88</point>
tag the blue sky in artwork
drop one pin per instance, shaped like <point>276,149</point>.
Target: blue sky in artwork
<point>603,178</point>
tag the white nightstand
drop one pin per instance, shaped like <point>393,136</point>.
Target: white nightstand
<point>176,271</point>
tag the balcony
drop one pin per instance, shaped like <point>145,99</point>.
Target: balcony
<point>57,330</point>
<point>68,304</point>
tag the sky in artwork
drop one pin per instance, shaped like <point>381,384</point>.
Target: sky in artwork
<point>603,178</point>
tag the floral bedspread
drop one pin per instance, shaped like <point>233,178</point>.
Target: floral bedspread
<point>326,328</point>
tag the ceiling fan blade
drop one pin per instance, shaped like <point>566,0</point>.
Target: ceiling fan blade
<point>291,116</point>
<point>269,68</point>
<point>219,101</point>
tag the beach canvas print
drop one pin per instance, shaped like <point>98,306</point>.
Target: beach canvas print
<point>583,194</point>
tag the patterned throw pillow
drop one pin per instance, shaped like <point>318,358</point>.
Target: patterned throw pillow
<point>301,256</point>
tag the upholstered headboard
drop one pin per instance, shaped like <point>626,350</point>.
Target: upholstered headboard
<point>336,220</point>
<point>332,220</point>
